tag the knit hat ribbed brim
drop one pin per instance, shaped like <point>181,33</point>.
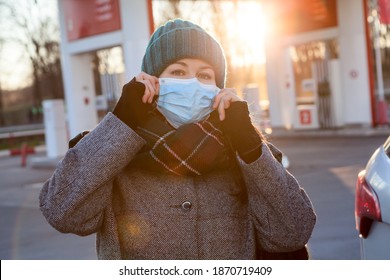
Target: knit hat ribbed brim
<point>179,39</point>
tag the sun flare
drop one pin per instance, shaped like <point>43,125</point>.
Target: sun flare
<point>247,30</point>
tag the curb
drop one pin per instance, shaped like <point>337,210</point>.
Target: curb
<point>343,132</point>
<point>43,162</point>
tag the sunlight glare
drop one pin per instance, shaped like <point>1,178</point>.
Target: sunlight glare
<point>248,29</point>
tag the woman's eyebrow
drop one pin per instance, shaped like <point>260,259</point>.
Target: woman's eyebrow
<point>206,67</point>
<point>181,63</point>
<point>186,65</point>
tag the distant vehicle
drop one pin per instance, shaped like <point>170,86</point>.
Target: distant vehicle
<point>372,205</point>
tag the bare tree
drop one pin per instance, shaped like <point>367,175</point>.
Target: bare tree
<point>166,9</point>
<point>37,33</point>
<point>219,25</point>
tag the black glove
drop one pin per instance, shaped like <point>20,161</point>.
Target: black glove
<point>243,136</point>
<point>130,109</point>
<point>77,138</point>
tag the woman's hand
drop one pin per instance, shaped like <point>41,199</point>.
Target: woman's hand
<point>152,86</point>
<point>134,104</point>
<point>223,100</point>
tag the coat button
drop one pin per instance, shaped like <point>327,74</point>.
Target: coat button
<point>186,206</point>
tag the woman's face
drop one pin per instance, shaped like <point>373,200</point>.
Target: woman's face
<point>189,68</point>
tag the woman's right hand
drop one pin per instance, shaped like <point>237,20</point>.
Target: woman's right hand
<point>152,86</point>
<point>135,102</point>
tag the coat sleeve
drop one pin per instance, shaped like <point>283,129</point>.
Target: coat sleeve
<point>280,209</point>
<point>73,199</point>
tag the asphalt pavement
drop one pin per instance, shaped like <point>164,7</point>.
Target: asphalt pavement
<point>326,164</point>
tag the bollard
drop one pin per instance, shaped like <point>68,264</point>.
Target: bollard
<point>23,154</point>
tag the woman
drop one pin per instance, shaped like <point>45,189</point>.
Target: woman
<point>178,171</point>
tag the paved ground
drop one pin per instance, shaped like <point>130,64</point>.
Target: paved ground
<point>327,168</point>
<point>24,233</point>
<point>326,165</point>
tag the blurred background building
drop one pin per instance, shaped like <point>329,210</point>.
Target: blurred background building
<point>326,63</point>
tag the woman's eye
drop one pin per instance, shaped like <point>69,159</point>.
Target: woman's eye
<point>178,73</point>
<point>204,76</point>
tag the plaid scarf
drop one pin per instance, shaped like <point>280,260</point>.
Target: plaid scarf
<point>192,149</point>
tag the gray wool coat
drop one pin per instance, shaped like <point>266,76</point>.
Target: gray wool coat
<point>137,214</point>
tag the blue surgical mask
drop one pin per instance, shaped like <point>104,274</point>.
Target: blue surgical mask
<point>184,101</point>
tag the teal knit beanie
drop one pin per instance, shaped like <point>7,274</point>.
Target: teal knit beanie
<point>179,39</point>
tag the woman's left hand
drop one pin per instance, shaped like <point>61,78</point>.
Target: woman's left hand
<point>223,100</point>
